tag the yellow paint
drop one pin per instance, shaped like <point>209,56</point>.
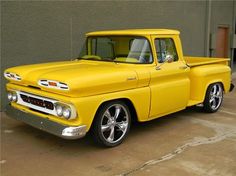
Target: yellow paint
<point>154,89</point>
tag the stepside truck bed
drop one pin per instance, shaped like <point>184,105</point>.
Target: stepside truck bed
<point>197,61</point>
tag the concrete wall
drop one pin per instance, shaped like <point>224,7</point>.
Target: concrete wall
<point>34,32</point>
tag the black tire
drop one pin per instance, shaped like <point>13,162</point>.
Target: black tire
<point>113,117</point>
<point>213,98</point>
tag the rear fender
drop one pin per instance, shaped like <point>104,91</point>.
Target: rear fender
<point>202,76</point>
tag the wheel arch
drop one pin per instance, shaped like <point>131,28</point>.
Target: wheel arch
<point>127,101</point>
<point>213,82</point>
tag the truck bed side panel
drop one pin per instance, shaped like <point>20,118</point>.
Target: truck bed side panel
<point>202,76</point>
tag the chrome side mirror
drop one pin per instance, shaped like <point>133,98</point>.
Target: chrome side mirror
<point>168,59</point>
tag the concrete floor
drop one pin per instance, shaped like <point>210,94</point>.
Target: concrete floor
<point>186,143</point>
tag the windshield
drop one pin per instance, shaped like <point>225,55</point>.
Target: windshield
<point>117,49</point>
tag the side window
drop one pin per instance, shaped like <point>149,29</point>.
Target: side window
<point>165,47</point>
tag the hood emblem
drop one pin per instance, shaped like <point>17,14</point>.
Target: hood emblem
<point>53,84</point>
<point>12,76</point>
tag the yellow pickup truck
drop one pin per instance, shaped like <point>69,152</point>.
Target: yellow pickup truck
<point>119,76</point>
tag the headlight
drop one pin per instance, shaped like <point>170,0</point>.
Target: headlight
<point>63,110</point>
<point>66,112</point>
<point>12,96</point>
<point>9,96</point>
<point>59,110</point>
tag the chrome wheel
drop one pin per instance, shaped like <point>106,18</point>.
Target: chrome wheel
<point>213,98</point>
<point>114,123</point>
<point>216,95</point>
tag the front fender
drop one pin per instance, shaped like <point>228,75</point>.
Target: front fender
<point>87,106</point>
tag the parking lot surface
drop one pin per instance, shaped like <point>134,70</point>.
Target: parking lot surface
<point>185,143</point>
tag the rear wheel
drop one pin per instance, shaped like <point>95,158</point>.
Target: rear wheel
<point>213,98</point>
<point>111,124</point>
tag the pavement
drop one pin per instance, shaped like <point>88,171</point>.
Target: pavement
<point>186,143</point>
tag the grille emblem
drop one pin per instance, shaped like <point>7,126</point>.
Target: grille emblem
<point>37,102</point>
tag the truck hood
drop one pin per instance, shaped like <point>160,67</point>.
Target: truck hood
<point>84,78</point>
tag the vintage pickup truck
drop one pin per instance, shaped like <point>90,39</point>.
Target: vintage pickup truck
<point>119,76</point>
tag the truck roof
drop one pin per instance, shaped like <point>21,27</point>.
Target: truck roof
<point>135,32</point>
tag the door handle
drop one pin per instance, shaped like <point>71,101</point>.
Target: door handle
<point>131,78</point>
<point>183,67</point>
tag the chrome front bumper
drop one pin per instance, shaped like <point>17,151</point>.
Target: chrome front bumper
<point>66,132</point>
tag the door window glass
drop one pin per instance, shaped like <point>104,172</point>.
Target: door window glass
<point>165,48</point>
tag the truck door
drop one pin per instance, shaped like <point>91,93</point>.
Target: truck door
<point>169,83</point>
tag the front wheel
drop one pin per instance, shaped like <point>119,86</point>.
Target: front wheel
<point>111,124</point>
<point>213,98</point>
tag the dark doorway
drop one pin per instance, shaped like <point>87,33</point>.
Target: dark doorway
<point>234,51</point>
<point>234,59</point>
<point>222,42</point>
